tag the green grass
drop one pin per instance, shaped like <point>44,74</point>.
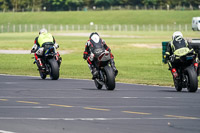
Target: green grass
<point>135,65</point>
<point>100,17</point>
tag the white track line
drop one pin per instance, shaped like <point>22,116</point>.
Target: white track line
<point>3,131</point>
<point>24,107</point>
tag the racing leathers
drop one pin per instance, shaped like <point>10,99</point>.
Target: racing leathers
<point>177,49</point>
<point>88,51</point>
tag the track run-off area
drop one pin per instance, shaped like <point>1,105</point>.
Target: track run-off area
<point>30,105</point>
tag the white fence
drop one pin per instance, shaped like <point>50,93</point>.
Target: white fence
<point>52,27</point>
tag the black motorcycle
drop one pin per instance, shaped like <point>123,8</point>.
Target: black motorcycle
<point>185,75</point>
<point>50,60</point>
<point>106,74</point>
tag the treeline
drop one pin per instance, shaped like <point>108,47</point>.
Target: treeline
<point>63,5</point>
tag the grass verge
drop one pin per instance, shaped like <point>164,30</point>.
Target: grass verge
<point>100,17</point>
<point>135,64</point>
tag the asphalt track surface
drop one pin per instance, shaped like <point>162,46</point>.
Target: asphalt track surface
<point>33,105</point>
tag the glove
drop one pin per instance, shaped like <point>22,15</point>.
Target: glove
<point>32,51</point>
<point>166,56</point>
<point>171,58</point>
<point>56,45</point>
<point>34,48</point>
<point>85,56</point>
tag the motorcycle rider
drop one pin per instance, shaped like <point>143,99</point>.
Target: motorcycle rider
<point>38,47</point>
<point>91,44</point>
<point>176,48</point>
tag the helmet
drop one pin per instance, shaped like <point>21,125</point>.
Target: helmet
<point>178,36</point>
<point>95,37</point>
<point>93,33</point>
<point>43,30</point>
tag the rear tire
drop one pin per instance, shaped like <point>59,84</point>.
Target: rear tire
<point>192,83</point>
<point>99,86</point>
<point>54,69</point>
<point>109,78</point>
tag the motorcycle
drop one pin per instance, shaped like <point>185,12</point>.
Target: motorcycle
<point>106,74</point>
<point>49,61</point>
<point>185,75</point>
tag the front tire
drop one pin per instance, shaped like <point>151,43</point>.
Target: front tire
<point>177,85</point>
<point>99,86</point>
<point>109,78</point>
<point>43,75</point>
<point>54,69</point>
<point>192,81</point>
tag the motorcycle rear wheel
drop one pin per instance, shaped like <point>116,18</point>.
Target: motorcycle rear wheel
<point>192,81</point>
<point>54,69</point>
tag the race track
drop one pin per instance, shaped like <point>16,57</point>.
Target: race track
<point>32,105</point>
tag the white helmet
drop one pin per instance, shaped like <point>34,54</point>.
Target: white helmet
<point>178,36</point>
<point>43,30</point>
<point>95,37</point>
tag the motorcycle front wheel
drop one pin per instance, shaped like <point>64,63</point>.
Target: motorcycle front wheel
<point>43,75</point>
<point>177,85</point>
<point>99,86</point>
<point>109,78</point>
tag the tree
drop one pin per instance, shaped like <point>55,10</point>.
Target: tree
<point>194,3</point>
<point>5,4</point>
<point>149,2</point>
<point>59,5</point>
<point>36,4</point>
<point>74,4</point>
<point>88,3</point>
<point>56,5</point>
<point>102,3</point>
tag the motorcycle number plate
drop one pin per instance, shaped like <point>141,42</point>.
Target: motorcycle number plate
<point>182,51</point>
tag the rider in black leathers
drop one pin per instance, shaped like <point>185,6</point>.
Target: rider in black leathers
<point>177,43</point>
<point>93,43</point>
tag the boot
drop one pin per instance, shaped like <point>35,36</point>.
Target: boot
<point>58,58</point>
<point>93,71</point>
<point>59,61</point>
<point>40,65</point>
<point>112,63</point>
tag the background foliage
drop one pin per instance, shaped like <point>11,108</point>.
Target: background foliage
<point>60,5</point>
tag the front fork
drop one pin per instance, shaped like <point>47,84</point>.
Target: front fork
<point>101,76</point>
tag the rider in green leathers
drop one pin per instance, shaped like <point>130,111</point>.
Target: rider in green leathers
<point>38,47</point>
